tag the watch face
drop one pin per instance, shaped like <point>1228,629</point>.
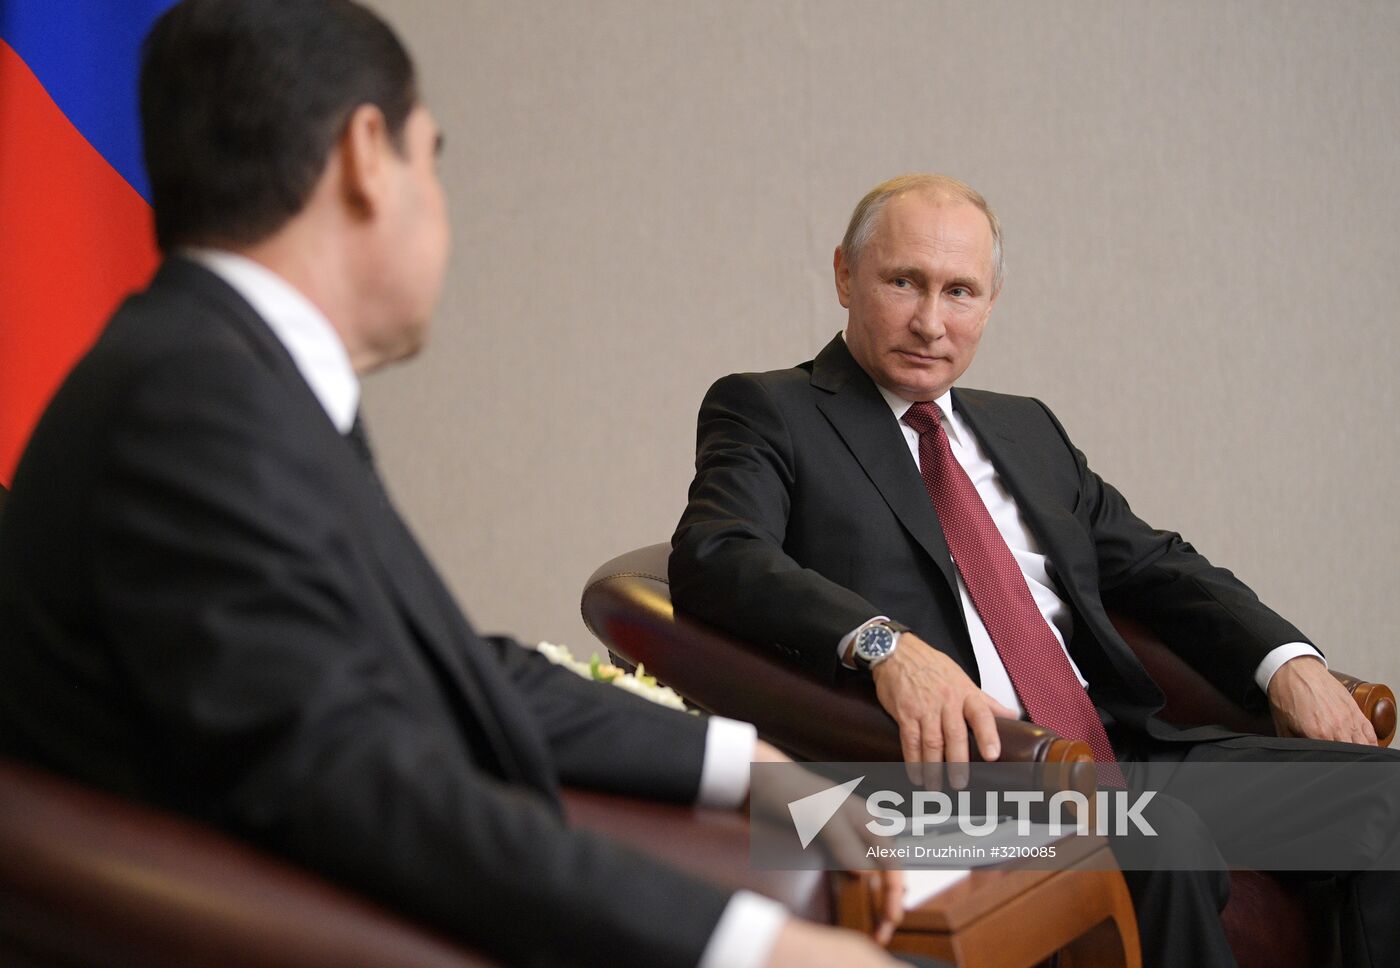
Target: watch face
<point>875,643</point>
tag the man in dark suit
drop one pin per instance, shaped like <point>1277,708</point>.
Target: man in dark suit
<point>208,601</point>
<point>858,511</point>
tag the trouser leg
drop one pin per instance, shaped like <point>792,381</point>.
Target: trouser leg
<point>1178,915</point>
<point>1343,802</point>
<point>1179,888</point>
<point>1371,919</point>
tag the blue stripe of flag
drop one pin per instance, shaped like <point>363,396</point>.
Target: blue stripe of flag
<point>87,54</point>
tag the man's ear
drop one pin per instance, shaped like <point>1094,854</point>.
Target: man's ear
<point>842,270</point>
<point>364,148</point>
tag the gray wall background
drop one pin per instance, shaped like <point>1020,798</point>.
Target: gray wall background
<point>1202,216</point>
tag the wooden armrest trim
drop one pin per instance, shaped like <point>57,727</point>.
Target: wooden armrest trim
<point>1377,703</point>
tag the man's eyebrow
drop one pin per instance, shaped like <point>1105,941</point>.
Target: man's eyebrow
<point>967,282</point>
<point>913,272</point>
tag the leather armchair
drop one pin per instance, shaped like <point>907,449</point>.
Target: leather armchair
<point>91,881</point>
<point>1271,921</point>
<point>88,880</point>
<point>627,605</point>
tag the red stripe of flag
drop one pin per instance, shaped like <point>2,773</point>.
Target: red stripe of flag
<point>74,239</point>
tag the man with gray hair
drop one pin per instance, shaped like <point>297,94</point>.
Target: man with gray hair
<point>868,518</point>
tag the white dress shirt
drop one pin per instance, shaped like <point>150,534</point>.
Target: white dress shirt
<point>750,923</point>
<point>1036,568</point>
<point>314,345</point>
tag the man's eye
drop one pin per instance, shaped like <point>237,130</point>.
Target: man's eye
<point>960,292</point>
<point>901,283</point>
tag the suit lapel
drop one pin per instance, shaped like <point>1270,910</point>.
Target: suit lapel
<point>863,420</point>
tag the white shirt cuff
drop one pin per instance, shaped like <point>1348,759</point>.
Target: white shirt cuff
<point>1275,660</point>
<point>724,775</point>
<point>845,642</point>
<point>746,932</point>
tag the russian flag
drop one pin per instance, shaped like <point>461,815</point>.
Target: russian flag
<point>75,216</point>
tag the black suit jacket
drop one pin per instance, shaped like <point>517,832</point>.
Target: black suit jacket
<point>208,603</point>
<point>807,517</point>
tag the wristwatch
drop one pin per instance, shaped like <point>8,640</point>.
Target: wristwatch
<point>875,643</point>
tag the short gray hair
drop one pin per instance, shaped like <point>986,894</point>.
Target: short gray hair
<point>862,224</point>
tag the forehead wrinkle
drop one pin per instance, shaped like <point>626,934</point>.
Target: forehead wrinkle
<point>899,235</point>
<point>940,257</point>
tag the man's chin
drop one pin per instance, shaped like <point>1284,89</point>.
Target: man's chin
<point>412,347</point>
<point>919,386</point>
<point>405,349</point>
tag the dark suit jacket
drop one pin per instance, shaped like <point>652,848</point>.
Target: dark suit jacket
<point>807,517</point>
<point>208,603</point>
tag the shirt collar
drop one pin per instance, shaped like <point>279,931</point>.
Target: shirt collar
<point>899,406</point>
<point>310,339</point>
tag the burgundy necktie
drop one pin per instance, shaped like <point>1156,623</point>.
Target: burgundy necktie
<point>1039,669</point>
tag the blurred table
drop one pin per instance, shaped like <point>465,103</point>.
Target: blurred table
<point>1015,916</point>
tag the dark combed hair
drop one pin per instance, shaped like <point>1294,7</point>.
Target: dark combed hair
<point>243,100</point>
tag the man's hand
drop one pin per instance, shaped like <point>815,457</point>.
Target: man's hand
<point>934,702</point>
<point>1307,700</point>
<point>802,944</point>
<point>845,835</point>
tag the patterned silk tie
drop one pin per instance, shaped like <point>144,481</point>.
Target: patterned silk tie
<point>1039,669</point>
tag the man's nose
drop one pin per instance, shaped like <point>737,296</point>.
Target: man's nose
<point>927,322</point>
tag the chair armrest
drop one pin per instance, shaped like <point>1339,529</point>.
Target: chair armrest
<point>709,843</point>
<point>627,605</point>
<point>89,880</point>
<point>1192,700</point>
